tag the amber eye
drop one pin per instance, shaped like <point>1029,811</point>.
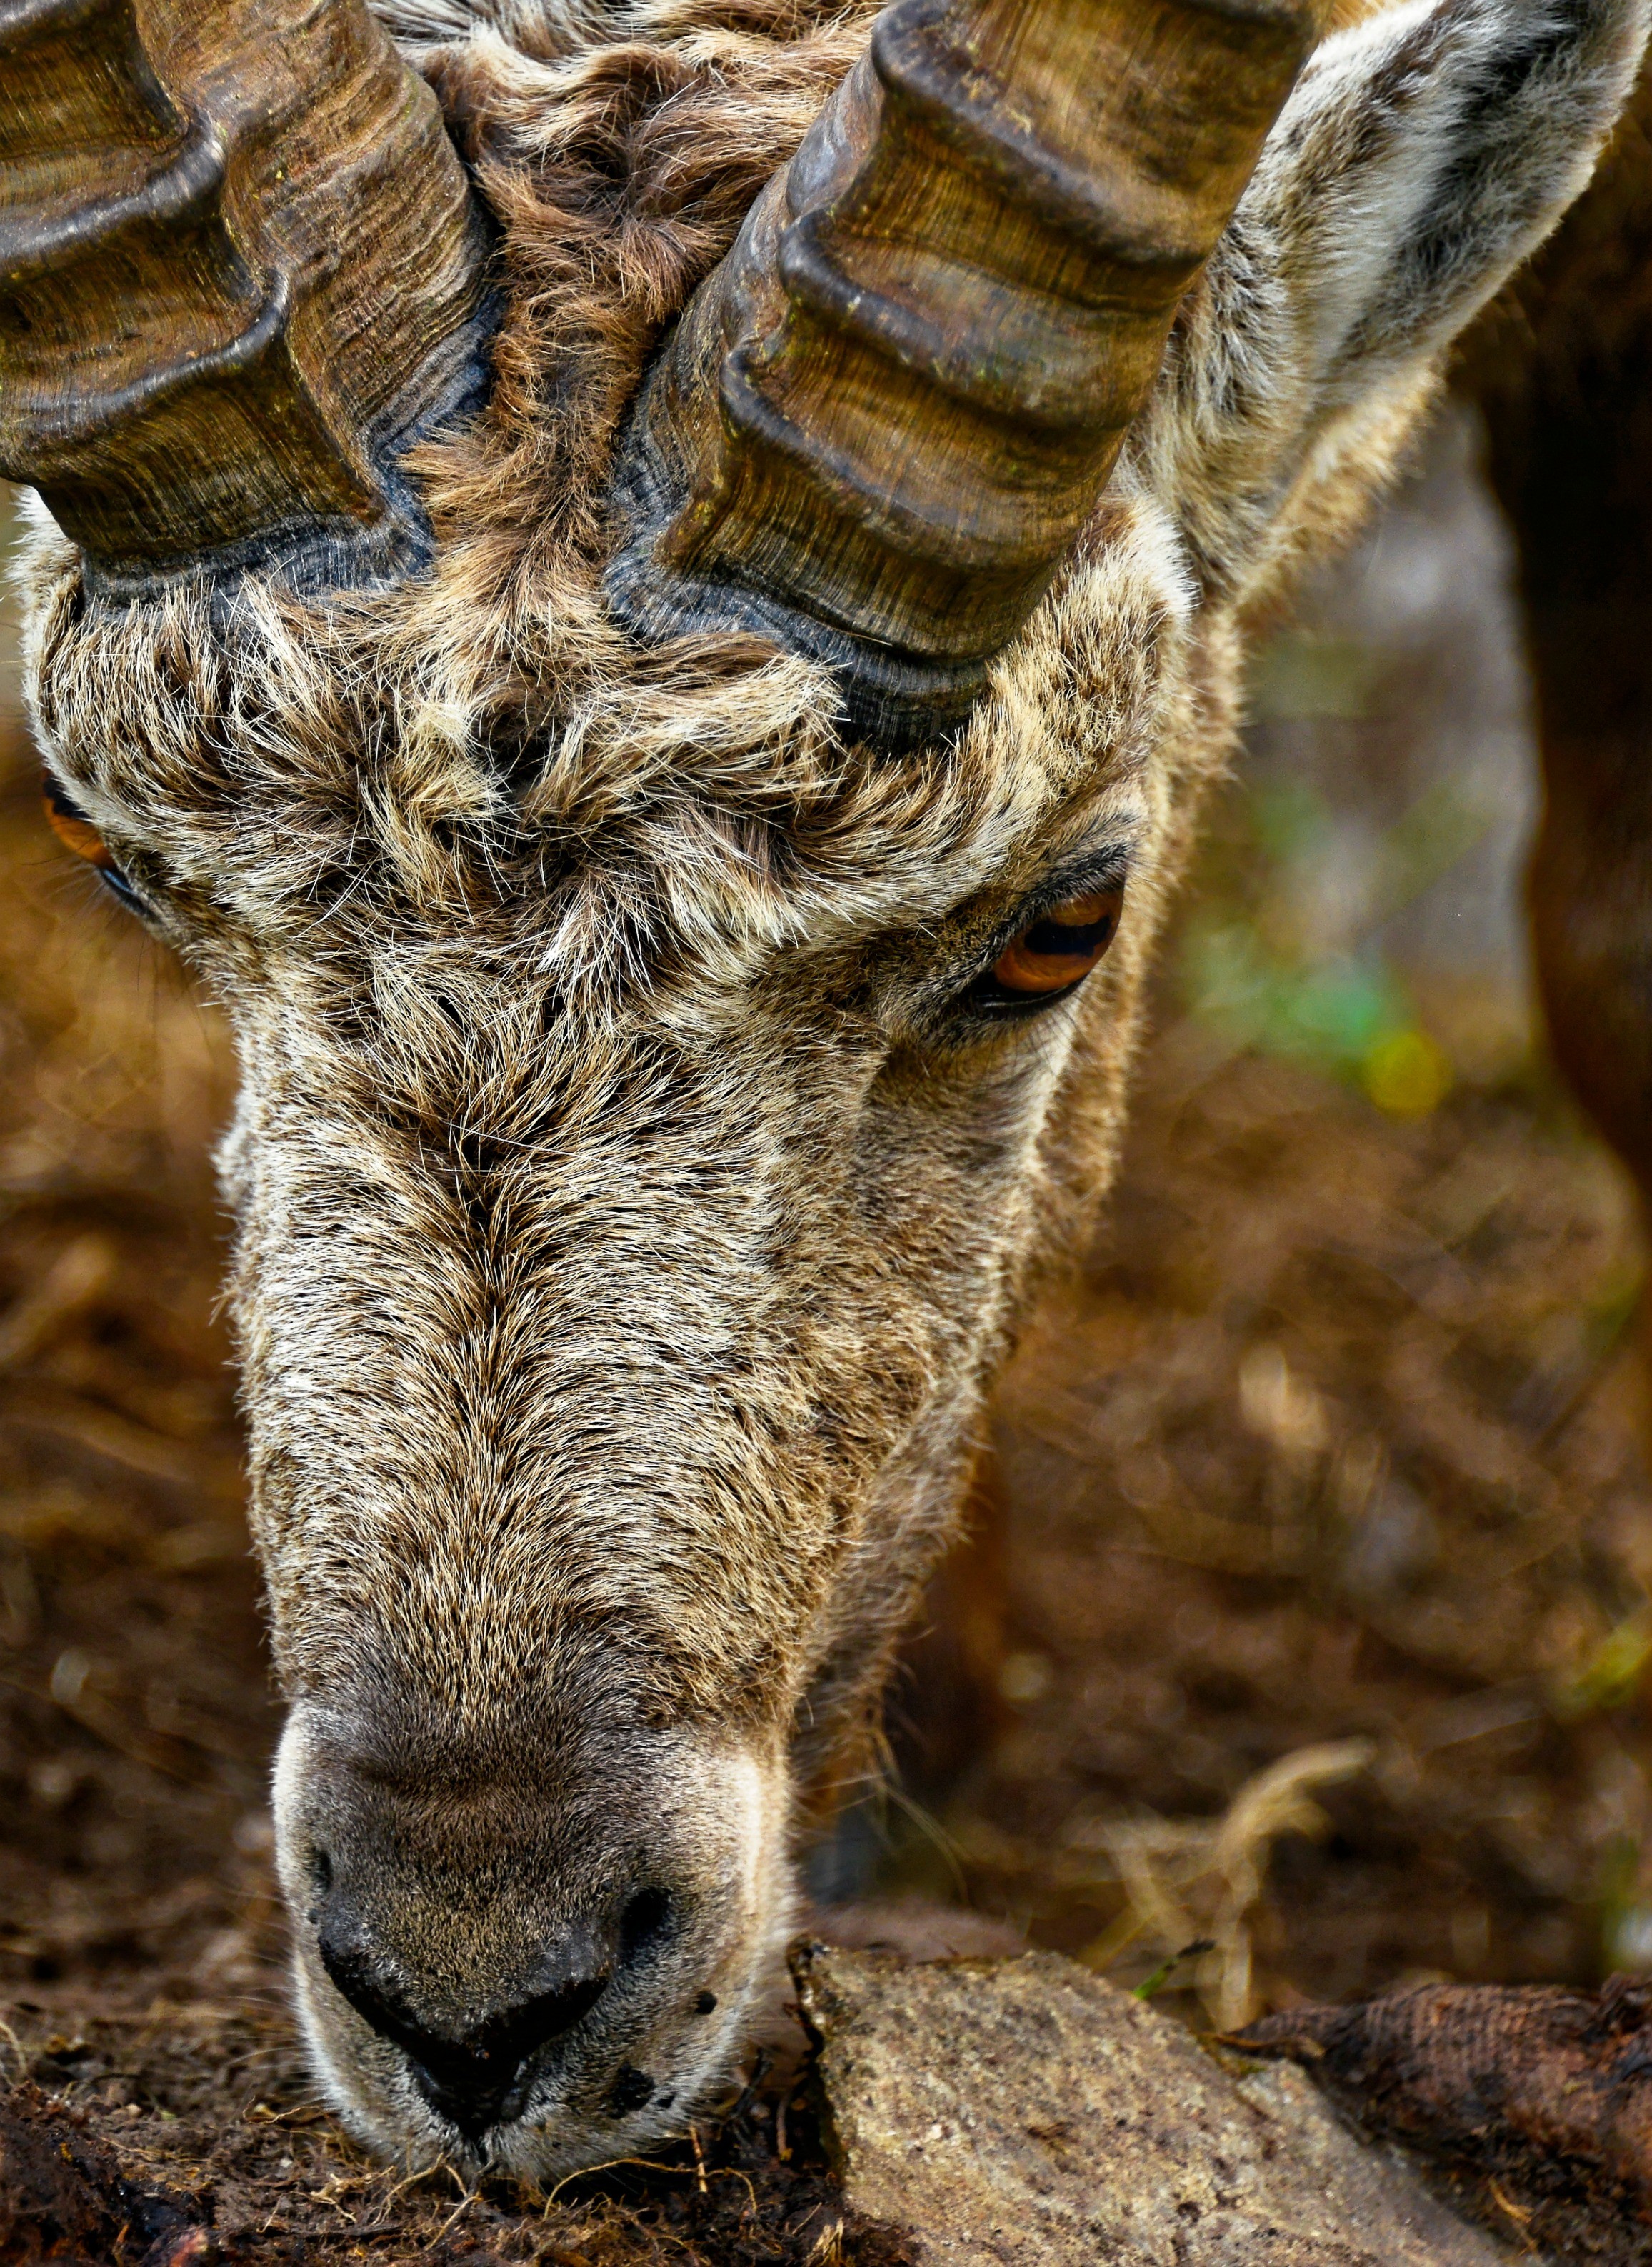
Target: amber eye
<point>1059,948</point>
<point>78,835</point>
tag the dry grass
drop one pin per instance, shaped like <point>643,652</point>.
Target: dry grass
<point>1190,1882</point>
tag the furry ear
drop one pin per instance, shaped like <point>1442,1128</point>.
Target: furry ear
<point>1422,156</point>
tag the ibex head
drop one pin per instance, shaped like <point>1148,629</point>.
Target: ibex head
<point>678,829</point>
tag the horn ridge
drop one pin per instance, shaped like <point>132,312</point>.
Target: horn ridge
<point>184,185</point>
<point>880,425</point>
<point>943,92</point>
<point>60,430</point>
<point>924,526</point>
<point>1045,360</point>
<point>239,267</point>
<point>18,17</point>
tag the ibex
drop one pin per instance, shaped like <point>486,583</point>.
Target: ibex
<point>655,632</point>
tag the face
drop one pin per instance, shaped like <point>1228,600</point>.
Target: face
<point>654,1108</point>
<point>636,1177</point>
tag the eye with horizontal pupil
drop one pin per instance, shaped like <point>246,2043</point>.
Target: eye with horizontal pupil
<point>1059,949</point>
<point>77,834</point>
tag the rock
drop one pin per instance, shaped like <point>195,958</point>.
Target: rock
<point>1025,2113</point>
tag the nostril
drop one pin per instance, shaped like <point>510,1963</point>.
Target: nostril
<point>354,1976</point>
<point>646,1919</point>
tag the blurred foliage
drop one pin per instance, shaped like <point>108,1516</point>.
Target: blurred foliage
<point>1611,1675</point>
<point>1270,958</point>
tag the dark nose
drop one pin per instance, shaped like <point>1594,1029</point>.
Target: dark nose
<point>477,2078</point>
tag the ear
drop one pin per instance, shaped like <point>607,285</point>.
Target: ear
<point>1421,156</point>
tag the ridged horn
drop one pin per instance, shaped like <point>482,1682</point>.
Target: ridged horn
<point>883,422</point>
<point>239,266</point>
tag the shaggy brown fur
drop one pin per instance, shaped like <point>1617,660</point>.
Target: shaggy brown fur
<point>1560,368</point>
<point>633,1208</point>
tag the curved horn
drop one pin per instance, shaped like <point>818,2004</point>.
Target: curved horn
<point>885,419</point>
<point>240,264</point>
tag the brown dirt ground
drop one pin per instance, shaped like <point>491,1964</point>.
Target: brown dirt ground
<point>1335,1439</point>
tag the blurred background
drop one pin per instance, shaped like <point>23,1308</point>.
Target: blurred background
<point>1319,1633</point>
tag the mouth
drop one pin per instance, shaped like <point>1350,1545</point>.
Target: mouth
<point>522,1988</point>
<point>484,2077</point>
<point>591,2093</point>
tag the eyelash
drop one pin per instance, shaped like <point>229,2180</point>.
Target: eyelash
<point>122,891</point>
<point>76,833</point>
<point>991,999</point>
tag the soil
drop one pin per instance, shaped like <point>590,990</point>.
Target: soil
<point>1333,1440</point>
<point>1338,1441</point>
<point>182,2131</point>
